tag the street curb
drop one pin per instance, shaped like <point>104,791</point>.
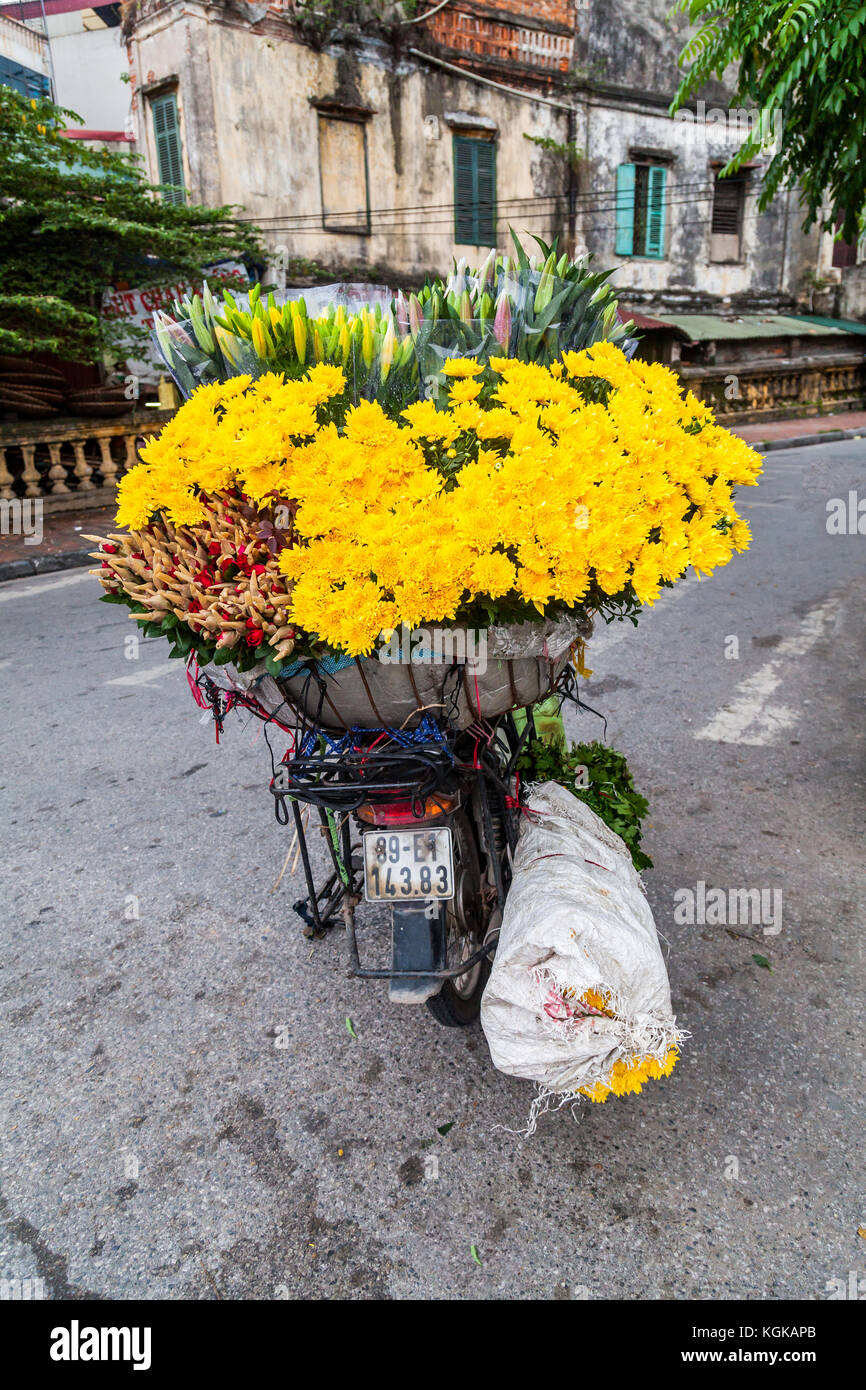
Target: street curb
<point>46,564</point>
<point>799,441</point>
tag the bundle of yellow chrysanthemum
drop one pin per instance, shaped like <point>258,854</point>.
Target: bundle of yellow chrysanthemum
<point>586,486</point>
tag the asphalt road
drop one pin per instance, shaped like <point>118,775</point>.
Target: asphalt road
<point>158,1142</point>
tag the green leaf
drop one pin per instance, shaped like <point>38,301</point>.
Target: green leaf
<point>75,219</point>
<point>763,962</point>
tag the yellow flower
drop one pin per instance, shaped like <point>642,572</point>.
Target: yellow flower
<point>463,391</point>
<point>550,496</point>
<point>629,1077</point>
<point>426,422</point>
<point>462,367</point>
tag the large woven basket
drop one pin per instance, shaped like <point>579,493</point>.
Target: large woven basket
<point>521,666</point>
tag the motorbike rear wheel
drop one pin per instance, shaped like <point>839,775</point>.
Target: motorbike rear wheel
<point>458,1003</point>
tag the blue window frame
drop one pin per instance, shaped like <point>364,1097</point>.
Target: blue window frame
<point>641,210</point>
<point>24,80</point>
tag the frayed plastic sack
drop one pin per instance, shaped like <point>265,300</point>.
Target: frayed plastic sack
<point>578,999</point>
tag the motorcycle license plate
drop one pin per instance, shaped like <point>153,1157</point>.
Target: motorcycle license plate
<point>400,865</point>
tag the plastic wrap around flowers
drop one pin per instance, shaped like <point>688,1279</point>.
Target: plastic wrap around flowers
<point>585,486</point>
<point>391,347</point>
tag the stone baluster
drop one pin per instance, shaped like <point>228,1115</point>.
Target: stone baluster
<point>6,479</point>
<point>82,469</point>
<point>108,468</point>
<point>57,472</point>
<point>30,474</point>
<point>131,455</point>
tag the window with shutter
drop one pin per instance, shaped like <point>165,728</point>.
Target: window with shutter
<point>727,220</point>
<point>641,210</point>
<point>166,129</point>
<point>343,174</point>
<point>625,186</point>
<point>474,191</point>
<point>656,209</point>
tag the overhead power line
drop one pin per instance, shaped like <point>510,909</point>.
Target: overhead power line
<point>515,217</point>
<point>426,208</point>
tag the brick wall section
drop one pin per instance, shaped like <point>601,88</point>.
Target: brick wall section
<point>555,11</point>
<point>540,37</point>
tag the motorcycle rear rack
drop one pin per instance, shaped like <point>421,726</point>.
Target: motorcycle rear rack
<point>337,788</point>
<point>348,781</point>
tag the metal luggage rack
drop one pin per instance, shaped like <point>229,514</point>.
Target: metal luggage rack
<point>340,774</point>
<point>337,775</point>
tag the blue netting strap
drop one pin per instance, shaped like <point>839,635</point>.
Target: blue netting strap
<point>428,731</point>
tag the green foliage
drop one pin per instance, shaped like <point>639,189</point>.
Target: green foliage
<point>611,792</point>
<point>805,59</point>
<point>74,221</point>
<point>572,152</point>
<point>317,19</point>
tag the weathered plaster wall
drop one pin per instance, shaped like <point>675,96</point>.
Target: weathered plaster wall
<point>852,295</point>
<point>250,136</point>
<point>88,65</point>
<point>631,45</point>
<point>775,255</point>
<point>626,62</point>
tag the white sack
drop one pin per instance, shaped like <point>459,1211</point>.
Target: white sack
<point>576,918</point>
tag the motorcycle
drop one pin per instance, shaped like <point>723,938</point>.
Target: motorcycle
<point>424,823</point>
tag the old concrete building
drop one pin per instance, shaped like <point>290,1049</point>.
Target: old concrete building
<point>25,62</point>
<point>392,143</point>
<point>86,69</point>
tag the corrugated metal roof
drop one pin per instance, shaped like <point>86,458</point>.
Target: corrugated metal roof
<point>706,327</point>
<point>841,325</point>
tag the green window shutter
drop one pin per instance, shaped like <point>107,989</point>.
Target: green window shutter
<point>625,181</point>
<point>485,163</point>
<point>166,128</point>
<point>656,211</point>
<point>474,191</point>
<point>464,190</point>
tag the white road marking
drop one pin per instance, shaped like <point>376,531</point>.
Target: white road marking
<point>10,589</point>
<point>749,718</point>
<point>150,673</point>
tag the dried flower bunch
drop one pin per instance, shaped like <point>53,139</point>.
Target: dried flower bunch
<point>214,586</point>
